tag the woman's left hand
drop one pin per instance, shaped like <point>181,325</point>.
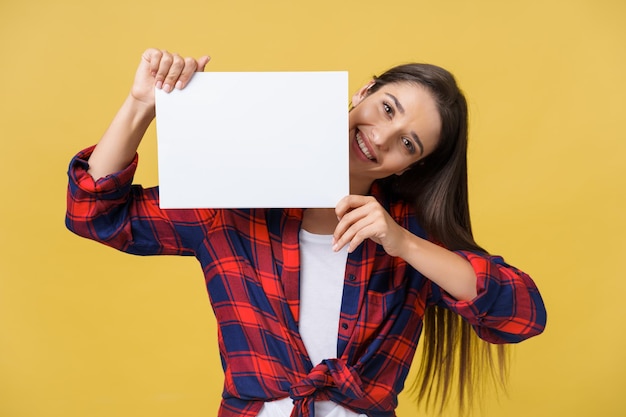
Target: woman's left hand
<point>362,217</point>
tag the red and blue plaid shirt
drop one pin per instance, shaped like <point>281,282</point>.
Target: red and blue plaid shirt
<point>250,260</point>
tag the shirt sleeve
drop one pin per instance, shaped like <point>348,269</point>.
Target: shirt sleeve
<point>508,307</point>
<point>126,217</point>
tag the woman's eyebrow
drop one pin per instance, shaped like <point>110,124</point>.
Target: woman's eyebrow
<point>418,141</point>
<point>401,110</point>
<point>396,102</point>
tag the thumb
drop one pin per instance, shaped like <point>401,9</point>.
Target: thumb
<point>202,61</point>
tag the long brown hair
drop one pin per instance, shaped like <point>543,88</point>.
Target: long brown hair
<point>437,185</point>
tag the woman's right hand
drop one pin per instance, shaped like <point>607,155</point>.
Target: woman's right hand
<point>163,70</point>
<point>119,143</point>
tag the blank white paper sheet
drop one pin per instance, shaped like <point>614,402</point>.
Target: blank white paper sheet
<point>254,139</point>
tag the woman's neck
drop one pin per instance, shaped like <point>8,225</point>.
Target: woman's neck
<point>360,187</point>
<point>319,221</point>
<point>323,221</point>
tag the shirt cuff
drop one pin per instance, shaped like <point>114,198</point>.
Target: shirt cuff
<point>110,187</point>
<point>488,288</point>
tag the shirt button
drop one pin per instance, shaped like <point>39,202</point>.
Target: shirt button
<point>351,277</point>
<point>344,326</point>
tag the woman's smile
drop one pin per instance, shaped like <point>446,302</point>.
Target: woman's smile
<point>364,145</point>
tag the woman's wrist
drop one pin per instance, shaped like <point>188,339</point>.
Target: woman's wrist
<point>143,113</point>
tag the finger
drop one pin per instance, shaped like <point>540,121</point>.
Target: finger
<point>165,62</point>
<point>152,57</point>
<point>349,226</point>
<point>350,210</point>
<point>189,68</point>
<point>173,74</point>
<point>363,232</point>
<point>355,235</point>
<point>349,203</point>
<point>345,222</point>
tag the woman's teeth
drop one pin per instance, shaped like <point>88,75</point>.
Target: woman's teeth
<point>362,146</point>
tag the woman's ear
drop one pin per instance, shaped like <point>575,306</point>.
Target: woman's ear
<point>362,93</point>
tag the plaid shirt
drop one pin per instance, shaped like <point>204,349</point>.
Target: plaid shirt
<point>250,260</point>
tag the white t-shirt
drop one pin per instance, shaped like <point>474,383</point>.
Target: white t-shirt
<point>321,288</point>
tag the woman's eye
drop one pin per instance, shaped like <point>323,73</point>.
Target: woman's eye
<point>408,144</point>
<point>387,108</point>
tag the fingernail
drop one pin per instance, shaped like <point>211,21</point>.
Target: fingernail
<point>167,88</point>
<point>179,84</point>
<point>335,247</point>
<point>159,84</point>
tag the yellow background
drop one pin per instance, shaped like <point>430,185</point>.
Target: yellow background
<point>87,331</point>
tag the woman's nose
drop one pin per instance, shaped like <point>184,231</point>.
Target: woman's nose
<point>381,139</point>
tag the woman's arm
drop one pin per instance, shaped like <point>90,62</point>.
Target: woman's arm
<point>362,217</point>
<point>101,202</point>
<point>508,307</point>
<point>500,301</point>
<point>447,269</point>
<point>119,143</point>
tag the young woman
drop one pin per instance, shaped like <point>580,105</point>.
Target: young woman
<point>320,310</point>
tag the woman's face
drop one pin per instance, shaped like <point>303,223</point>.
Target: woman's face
<point>389,130</point>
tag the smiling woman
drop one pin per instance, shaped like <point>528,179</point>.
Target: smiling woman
<point>392,126</point>
<point>397,251</point>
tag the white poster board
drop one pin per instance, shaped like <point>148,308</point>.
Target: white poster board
<point>254,139</point>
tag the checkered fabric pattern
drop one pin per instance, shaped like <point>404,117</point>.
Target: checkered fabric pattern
<point>250,260</point>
